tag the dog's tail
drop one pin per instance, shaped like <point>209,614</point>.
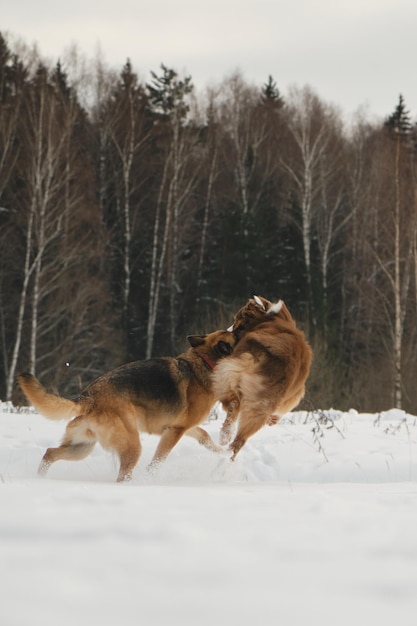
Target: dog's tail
<point>48,404</point>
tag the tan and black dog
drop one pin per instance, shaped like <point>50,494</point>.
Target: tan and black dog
<point>266,374</point>
<point>164,396</point>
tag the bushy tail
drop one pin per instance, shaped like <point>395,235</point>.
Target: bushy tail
<point>48,404</point>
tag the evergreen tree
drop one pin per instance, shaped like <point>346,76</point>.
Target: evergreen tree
<point>168,93</point>
<point>59,79</point>
<point>399,121</point>
<point>270,95</point>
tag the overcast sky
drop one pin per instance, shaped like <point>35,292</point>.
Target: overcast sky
<point>353,53</point>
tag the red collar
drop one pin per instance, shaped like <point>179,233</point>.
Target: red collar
<point>207,361</point>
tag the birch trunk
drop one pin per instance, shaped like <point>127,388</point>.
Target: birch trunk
<point>204,229</point>
<point>397,287</point>
<point>156,265</point>
<point>27,270</point>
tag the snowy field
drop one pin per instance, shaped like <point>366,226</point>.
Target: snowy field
<point>315,523</point>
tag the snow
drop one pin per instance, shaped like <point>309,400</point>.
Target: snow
<point>315,522</point>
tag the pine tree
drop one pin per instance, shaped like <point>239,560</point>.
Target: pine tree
<point>270,95</point>
<point>399,121</point>
<point>168,93</point>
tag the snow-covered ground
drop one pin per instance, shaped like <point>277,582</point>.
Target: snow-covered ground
<point>315,523</point>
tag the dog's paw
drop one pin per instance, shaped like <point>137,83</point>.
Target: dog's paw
<point>225,453</point>
<point>217,449</point>
<point>152,469</point>
<point>273,420</point>
<point>43,468</point>
<point>225,437</point>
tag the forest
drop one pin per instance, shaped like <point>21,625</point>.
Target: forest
<point>135,212</point>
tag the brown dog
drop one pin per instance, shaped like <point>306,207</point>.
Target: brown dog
<point>265,377</point>
<point>164,396</point>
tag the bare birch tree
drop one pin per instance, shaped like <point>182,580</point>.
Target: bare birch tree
<point>129,134</point>
<point>309,134</point>
<point>405,230</point>
<point>12,75</point>
<point>55,217</point>
<point>168,96</point>
<point>212,160</point>
<point>389,228</point>
<point>333,212</point>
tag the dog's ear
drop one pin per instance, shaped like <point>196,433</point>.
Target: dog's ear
<point>259,302</point>
<point>283,312</point>
<point>275,308</point>
<point>196,340</point>
<point>224,348</point>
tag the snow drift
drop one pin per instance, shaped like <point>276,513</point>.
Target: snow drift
<point>314,522</point>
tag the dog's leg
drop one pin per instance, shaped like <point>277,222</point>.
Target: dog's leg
<point>65,452</point>
<point>170,436</point>
<point>126,444</point>
<point>203,438</point>
<point>120,435</point>
<point>129,454</point>
<point>226,430</point>
<point>249,423</point>
<point>77,444</point>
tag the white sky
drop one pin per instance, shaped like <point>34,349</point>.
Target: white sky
<point>353,53</point>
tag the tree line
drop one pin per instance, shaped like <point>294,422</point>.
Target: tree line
<point>133,213</point>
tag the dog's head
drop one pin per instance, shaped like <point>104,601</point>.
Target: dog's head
<point>256,311</point>
<point>214,346</point>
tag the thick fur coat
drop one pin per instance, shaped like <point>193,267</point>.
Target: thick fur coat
<point>265,377</point>
<point>165,396</point>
